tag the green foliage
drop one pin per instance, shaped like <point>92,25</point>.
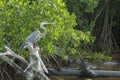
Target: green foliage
<point>96,56</point>
<point>101,56</point>
<point>18,19</point>
<point>83,10</point>
<point>90,5</point>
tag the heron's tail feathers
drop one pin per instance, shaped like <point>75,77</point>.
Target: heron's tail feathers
<point>22,46</point>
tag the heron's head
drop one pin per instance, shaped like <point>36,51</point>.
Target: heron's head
<point>44,23</point>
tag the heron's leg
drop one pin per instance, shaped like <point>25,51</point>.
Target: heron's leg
<point>35,44</point>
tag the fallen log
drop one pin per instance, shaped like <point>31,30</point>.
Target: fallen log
<point>55,72</point>
<point>32,72</point>
<point>83,73</point>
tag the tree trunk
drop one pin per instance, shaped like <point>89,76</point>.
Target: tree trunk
<point>103,30</point>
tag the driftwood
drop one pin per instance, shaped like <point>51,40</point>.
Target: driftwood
<point>83,73</point>
<point>30,72</point>
<point>36,65</point>
<point>9,57</point>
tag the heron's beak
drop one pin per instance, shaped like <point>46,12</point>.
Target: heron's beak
<point>50,23</point>
<point>45,23</point>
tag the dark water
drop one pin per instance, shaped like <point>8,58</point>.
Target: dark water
<point>105,66</point>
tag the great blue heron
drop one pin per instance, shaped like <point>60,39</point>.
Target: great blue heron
<point>36,35</point>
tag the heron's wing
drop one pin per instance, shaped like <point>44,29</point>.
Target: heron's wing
<point>33,38</point>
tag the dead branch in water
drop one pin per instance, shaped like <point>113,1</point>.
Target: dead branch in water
<point>9,57</point>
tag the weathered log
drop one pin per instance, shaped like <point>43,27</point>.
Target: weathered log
<point>10,52</point>
<point>83,73</point>
<point>35,71</point>
<point>12,64</point>
<point>55,72</point>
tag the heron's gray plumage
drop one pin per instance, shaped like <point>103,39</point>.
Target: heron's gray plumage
<point>33,38</point>
<point>36,35</point>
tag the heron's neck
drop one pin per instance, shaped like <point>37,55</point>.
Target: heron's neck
<point>44,29</point>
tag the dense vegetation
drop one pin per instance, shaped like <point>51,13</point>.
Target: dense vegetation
<point>88,27</point>
<point>20,18</point>
<point>100,17</point>
<point>75,21</point>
